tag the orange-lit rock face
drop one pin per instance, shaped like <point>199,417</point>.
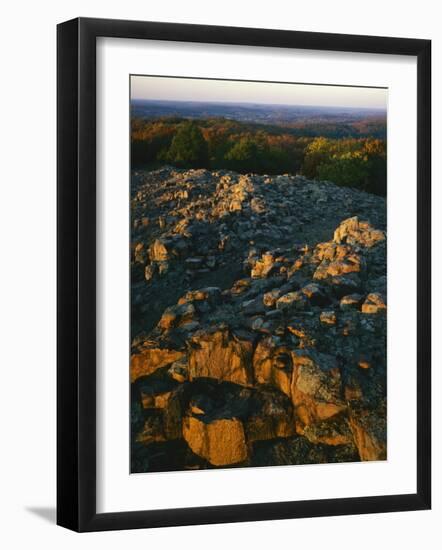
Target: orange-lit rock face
<point>351,264</point>
<point>341,256</point>
<point>350,302</point>
<point>148,360</point>
<point>221,442</point>
<point>331,251</point>
<point>158,251</point>
<point>263,267</point>
<point>221,355</point>
<point>374,303</point>
<point>273,364</point>
<point>353,231</point>
<point>328,317</point>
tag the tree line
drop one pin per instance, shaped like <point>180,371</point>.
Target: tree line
<point>225,144</point>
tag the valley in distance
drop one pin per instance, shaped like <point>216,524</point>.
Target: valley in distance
<point>258,285</point>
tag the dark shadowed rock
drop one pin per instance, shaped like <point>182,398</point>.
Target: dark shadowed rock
<point>369,432</point>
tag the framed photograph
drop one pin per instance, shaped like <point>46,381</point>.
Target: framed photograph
<point>243,274</point>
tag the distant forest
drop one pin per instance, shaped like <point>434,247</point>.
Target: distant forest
<point>347,152</point>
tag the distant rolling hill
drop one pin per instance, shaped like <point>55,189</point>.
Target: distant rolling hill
<point>293,116</point>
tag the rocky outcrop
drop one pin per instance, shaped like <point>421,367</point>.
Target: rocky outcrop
<point>147,359</point>
<point>271,416</point>
<point>316,388</point>
<point>356,232</point>
<point>221,442</point>
<point>374,303</point>
<point>258,324</point>
<point>222,355</point>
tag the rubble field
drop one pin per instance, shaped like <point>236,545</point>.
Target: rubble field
<point>258,321</point>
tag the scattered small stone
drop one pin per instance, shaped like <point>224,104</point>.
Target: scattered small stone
<point>328,317</point>
<point>374,303</point>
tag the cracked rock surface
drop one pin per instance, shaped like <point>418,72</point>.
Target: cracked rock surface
<point>258,319</point>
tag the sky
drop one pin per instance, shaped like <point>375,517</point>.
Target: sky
<point>192,89</point>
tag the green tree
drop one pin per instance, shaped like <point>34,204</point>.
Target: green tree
<point>244,155</point>
<point>188,148</point>
<point>349,170</point>
<point>360,163</point>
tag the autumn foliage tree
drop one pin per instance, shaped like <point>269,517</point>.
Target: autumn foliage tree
<point>217,143</point>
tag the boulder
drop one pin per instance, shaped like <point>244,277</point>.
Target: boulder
<point>258,205</point>
<point>240,286</point>
<point>315,294</point>
<point>149,271</point>
<point>221,442</point>
<point>272,418</point>
<point>345,284</point>
<point>158,251</point>
<point>369,429</point>
<point>269,299</point>
<point>178,371</point>
<point>218,353</point>
<point>316,388</point>
<point>263,267</point>
<point>273,364</point>
<point>147,359</point>
<point>350,301</point>
<point>177,316</point>
<point>353,231</point>
<point>140,253</point>
<point>374,303</point>
<point>292,301</point>
<point>351,264</point>
<point>328,317</point>
<point>330,251</point>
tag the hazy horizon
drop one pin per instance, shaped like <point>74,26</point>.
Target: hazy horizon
<point>245,103</point>
<point>179,89</point>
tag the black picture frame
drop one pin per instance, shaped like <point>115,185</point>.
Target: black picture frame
<point>76,274</point>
